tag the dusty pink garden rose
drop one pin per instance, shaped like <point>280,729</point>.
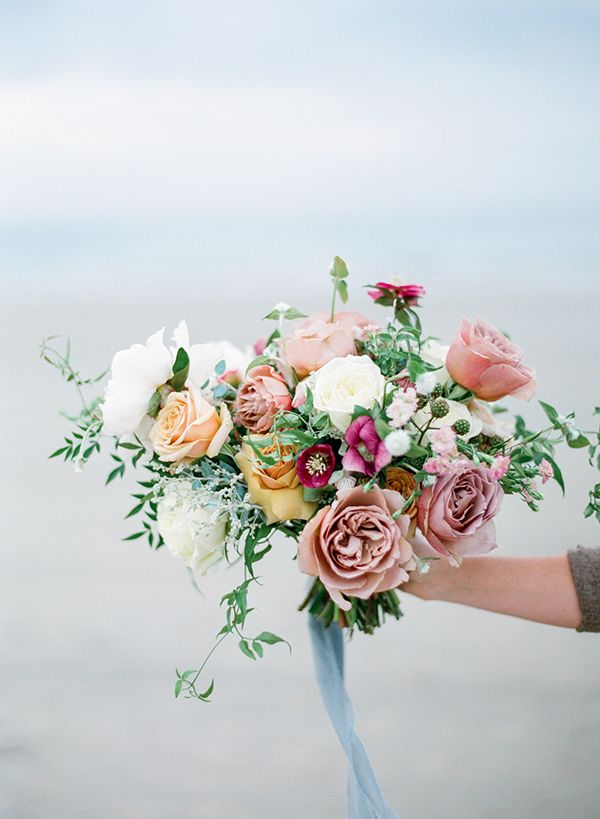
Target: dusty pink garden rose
<point>455,514</point>
<point>349,320</point>
<point>188,427</point>
<point>263,394</point>
<point>356,547</point>
<point>484,361</point>
<point>311,346</point>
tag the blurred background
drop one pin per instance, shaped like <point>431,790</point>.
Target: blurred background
<point>200,160</point>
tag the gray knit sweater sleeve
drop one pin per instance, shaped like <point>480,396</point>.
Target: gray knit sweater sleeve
<point>585,568</point>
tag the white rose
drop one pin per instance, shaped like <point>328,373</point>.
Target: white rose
<point>344,383</point>
<point>456,412</point>
<point>135,375</point>
<point>435,353</point>
<point>192,525</point>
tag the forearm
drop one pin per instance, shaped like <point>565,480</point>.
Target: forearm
<point>533,588</point>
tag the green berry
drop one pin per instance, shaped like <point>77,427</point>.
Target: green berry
<point>496,441</point>
<point>462,426</point>
<point>440,408</point>
<point>437,391</point>
<point>422,401</point>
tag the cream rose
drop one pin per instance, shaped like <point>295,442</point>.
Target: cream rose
<point>344,383</point>
<point>188,427</point>
<point>192,525</point>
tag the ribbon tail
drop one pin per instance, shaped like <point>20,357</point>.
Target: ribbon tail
<point>364,796</point>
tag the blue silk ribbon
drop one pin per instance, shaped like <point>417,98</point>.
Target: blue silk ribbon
<point>363,793</point>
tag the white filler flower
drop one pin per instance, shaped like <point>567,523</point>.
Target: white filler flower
<point>397,443</point>
<point>192,524</point>
<point>344,383</point>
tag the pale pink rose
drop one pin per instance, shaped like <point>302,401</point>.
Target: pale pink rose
<point>356,547</point>
<point>443,441</point>
<point>188,427</point>
<point>484,361</point>
<point>310,347</point>
<point>354,322</point>
<point>546,470</point>
<point>500,467</point>
<point>263,394</point>
<point>456,513</point>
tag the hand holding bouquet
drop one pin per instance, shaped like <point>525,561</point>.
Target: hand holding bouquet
<point>375,447</point>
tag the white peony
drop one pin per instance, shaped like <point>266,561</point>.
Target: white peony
<point>192,525</point>
<point>135,375</point>
<point>204,357</point>
<point>344,383</point>
<point>435,353</point>
<point>456,412</point>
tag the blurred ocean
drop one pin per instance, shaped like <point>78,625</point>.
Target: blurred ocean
<point>466,715</point>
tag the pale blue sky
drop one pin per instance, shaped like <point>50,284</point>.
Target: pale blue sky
<point>145,141</point>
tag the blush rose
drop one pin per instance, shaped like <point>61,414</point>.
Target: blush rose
<point>356,547</point>
<point>484,361</point>
<point>263,394</point>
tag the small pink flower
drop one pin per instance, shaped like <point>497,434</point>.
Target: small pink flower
<point>388,293</point>
<point>500,467</point>
<point>546,470</point>
<point>259,346</point>
<point>367,453</point>
<point>435,466</point>
<point>443,441</point>
<point>402,407</point>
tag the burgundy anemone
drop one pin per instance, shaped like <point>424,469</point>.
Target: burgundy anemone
<point>315,466</point>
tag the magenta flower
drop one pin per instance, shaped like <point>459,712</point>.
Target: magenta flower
<point>315,466</point>
<point>367,453</point>
<point>389,293</point>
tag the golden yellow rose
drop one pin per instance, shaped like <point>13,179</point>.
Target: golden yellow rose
<point>275,488</point>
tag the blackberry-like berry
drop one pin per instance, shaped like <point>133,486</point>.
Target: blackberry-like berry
<point>439,408</point>
<point>462,426</point>
<point>496,441</point>
<point>422,401</point>
<point>437,391</point>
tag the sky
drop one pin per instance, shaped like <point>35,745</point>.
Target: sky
<point>147,144</point>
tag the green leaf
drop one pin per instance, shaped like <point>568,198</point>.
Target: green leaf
<point>220,367</point>
<point>178,686</point>
<point>128,446</point>
<point>58,452</point>
<point>206,694</point>
<point>558,477</point>
<point>256,362</point>
<point>342,288</point>
<point>245,649</point>
<point>338,268</point>
<point>257,648</point>
<point>551,413</point>
<point>181,368</point>
<point>578,442</point>
<point>135,536</point>
<point>270,639</point>
<point>154,404</point>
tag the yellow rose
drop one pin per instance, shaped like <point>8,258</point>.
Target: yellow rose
<point>276,488</point>
<point>188,427</point>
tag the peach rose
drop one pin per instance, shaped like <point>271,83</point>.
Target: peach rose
<point>356,547</point>
<point>188,427</point>
<point>277,489</point>
<point>484,361</point>
<point>263,394</point>
<point>311,346</point>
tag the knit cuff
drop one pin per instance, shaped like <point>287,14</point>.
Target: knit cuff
<point>585,568</point>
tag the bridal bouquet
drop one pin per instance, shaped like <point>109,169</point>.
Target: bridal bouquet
<point>372,445</point>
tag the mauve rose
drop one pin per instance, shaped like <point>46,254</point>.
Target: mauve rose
<point>455,514</point>
<point>311,346</point>
<point>484,361</point>
<point>356,547</point>
<point>263,394</point>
